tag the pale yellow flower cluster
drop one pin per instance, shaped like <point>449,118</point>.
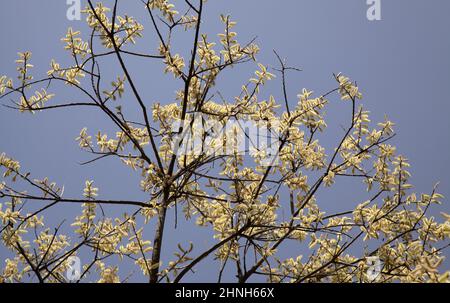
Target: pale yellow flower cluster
<point>5,83</point>
<point>166,8</point>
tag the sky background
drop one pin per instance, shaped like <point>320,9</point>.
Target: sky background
<point>401,64</point>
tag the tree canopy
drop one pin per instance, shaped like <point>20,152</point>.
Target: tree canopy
<point>197,155</point>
